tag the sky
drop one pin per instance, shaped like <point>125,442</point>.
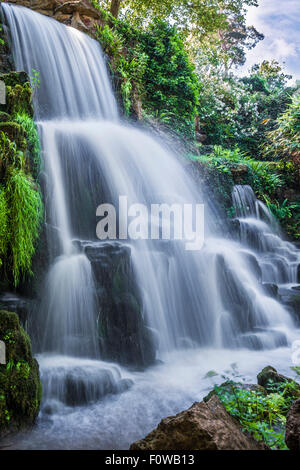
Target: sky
<point>279,21</point>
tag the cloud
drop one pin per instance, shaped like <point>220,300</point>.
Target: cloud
<point>278,21</point>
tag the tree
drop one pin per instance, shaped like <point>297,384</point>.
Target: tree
<point>115,7</point>
<point>218,25</point>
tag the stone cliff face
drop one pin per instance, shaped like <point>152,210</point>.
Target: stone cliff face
<point>79,14</point>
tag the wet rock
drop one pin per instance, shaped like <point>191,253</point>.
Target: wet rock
<point>12,302</point>
<point>204,426</point>
<point>269,377</point>
<point>20,386</point>
<point>292,434</point>
<point>290,296</point>
<point>271,289</point>
<point>123,332</point>
<point>227,386</point>
<point>79,14</point>
<point>82,392</point>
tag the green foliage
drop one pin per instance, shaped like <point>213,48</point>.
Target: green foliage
<point>34,147</point>
<point>25,212</point>
<point>9,153</point>
<point>262,415</point>
<point>3,224</point>
<point>269,180</point>
<point>171,85</point>
<point>153,67</point>
<point>128,63</point>
<point>35,80</point>
<point>284,140</point>
<point>240,111</point>
<point>296,369</point>
<point>282,210</point>
<point>20,211</point>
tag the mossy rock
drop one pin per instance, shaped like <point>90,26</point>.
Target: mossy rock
<point>20,386</point>
<point>14,78</point>
<point>15,132</point>
<point>18,94</point>
<point>227,388</point>
<point>270,379</point>
<point>4,117</point>
<point>19,99</point>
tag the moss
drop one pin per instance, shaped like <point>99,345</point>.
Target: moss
<point>19,99</point>
<point>4,117</point>
<point>15,78</point>
<point>15,132</point>
<point>20,386</point>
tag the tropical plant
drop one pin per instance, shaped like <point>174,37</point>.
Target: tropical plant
<point>263,415</point>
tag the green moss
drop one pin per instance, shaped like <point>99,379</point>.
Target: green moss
<point>15,132</point>
<point>20,386</point>
<point>19,99</point>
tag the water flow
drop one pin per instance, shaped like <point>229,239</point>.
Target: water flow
<point>278,259</point>
<point>213,297</point>
<point>89,161</point>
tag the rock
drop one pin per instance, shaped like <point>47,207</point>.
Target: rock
<point>124,335</point>
<point>78,14</point>
<point>12,302</point>
<point>20,386</point>
<point>204,426</point>
<point>239,172</point>
<point>269,377</point>
<point>292,434</point>
<point>227,386</point>
<point>271,289</point>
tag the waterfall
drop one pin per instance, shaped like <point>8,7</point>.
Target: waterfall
<point>278,259</point>
<point>212,297</point>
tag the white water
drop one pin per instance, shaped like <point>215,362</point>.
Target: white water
<point>118,420</point>
<point>212,298</point>
<point>278,259</point>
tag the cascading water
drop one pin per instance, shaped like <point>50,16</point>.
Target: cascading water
<point>211,298</point>
<point>278,259</point>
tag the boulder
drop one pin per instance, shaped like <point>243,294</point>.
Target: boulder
<point>204,426</point>
<point>80,14</point>
<point>123,331</point>
<point>292,434</point>
<point>227,387</point>
<point>269,377</point>
<point>20,386</point>
<point>271,289</point>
